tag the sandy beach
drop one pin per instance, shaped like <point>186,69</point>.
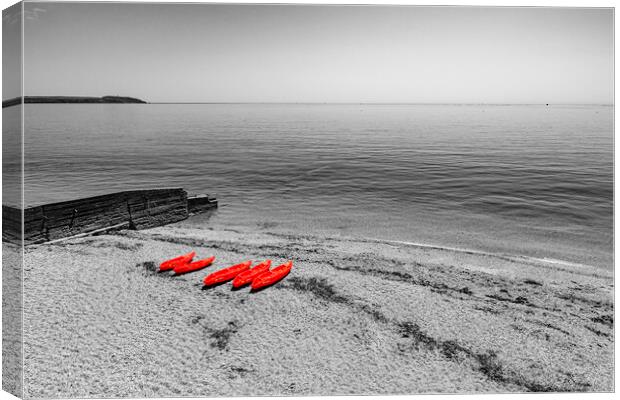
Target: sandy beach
<point>353,317</point>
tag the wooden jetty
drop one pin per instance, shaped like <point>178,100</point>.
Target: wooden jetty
<point>135,209</point>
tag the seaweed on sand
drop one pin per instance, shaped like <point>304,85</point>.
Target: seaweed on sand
<point>119,245</point>
<point>410,330</point>
<point>221,337</point>
<point>319,287</point>
<point>151,268</point>
<point>486,362</point>
<point>607,320</point>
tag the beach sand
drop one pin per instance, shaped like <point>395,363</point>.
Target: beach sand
<point>354,317</point>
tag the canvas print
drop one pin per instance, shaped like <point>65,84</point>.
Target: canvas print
<point>261,199</point>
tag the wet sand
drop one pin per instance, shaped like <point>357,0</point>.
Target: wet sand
<point>353,317</point>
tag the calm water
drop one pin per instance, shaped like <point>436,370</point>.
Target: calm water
<point>529,180</point>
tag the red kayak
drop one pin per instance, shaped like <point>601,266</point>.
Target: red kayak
<point>270,277</point>
<point>246,277</point>
<point>193,266</point>
<point>177,261</point>
<point>226,274</point>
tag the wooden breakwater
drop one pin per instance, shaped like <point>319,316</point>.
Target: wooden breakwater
<point>136,209</point>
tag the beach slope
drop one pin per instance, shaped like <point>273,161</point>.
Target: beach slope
<point>354,317</point>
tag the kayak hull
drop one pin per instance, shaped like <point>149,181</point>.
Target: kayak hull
<point>271,277</point>
<point>194,266</point>
<point>226,274</point>
<point>246,277</point>
<point>177,261</point>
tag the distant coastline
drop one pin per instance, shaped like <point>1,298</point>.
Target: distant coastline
<point>73,99</point>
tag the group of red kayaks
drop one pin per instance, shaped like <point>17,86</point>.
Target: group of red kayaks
<point>258,276</point>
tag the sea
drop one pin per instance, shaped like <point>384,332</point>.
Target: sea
<point>526,180</point>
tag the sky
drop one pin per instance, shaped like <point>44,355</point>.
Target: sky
<point>285,53</point>
<point>11,51</point>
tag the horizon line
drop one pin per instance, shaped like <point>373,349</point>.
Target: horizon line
<point>368,103</point>
<point>323,102</point>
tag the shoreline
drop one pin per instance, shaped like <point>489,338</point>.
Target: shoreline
<point>505,256</point>
<point>353,317</point>
<point>546,253</point>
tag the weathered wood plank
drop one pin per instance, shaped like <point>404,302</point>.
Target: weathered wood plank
<point>78,218</point>
<point>113,197</point>
<point>144,202</point>
<point>200,203</point>
<point>11,213</point>
<point>89,233</point>
<point>64,231</point>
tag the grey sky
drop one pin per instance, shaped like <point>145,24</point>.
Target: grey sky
<point>253,53</point>
<point>11,51</point>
